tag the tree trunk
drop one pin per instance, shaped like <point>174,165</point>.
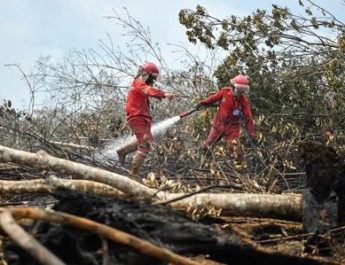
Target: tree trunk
<point>281,206</point>
<point>51,183</point>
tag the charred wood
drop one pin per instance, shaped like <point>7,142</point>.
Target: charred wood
<point>156,224</point>
<point>323,201</point>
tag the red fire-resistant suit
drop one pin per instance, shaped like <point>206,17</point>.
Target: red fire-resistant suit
<point>138,112</point>
<point>225,123</point>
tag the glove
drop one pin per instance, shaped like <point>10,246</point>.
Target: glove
<point>168,95</point>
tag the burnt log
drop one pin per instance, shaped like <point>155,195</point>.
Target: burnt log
<point>325,171</point>
<point>160,225</point>
<point>323,200</point>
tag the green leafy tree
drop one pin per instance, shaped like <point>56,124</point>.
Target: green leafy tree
<point>293,61</point>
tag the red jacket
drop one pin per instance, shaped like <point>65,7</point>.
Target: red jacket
<point>225,119</point>
<point>138,104</point>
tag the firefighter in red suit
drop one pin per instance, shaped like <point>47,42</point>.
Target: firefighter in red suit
<point>233,105</point>
<point>138,114</point>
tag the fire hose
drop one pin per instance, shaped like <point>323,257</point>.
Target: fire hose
<point>187,113</point>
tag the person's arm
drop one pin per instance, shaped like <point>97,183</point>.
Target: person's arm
<point>153,92</point>
<point>247,113</point>
<point>211,99</point>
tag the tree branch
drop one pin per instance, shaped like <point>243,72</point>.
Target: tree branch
<point>26,241</point>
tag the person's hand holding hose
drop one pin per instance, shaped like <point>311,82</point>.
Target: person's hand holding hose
<point>199,105</point>
<point>169,95</point>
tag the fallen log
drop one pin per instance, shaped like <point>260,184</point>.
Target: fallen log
<point>41,160</point>
<point>48,185</point>
<point>285,206</point>
<point>230,204</point>
<point>280,206</point>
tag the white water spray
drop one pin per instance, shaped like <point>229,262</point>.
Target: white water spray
<point>158,129</point>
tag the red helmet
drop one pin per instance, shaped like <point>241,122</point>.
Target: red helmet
<point>151,69</point>
<point>240,83</point>
<point>240,80</point>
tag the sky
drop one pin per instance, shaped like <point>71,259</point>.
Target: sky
<point>33,28</point>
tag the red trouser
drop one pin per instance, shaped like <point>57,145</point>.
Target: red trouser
<point>217,134</point>
<point>141,127</point>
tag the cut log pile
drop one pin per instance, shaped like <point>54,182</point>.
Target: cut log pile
<point>108,218</point>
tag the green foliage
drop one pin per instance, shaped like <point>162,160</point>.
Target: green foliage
<point>291,60</point>
<point>296,69</point>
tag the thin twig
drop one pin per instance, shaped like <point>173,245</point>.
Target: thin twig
<point>273,240</point>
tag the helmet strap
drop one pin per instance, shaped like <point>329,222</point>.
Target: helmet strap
<point>235,91</point>
<point>148,79</point>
